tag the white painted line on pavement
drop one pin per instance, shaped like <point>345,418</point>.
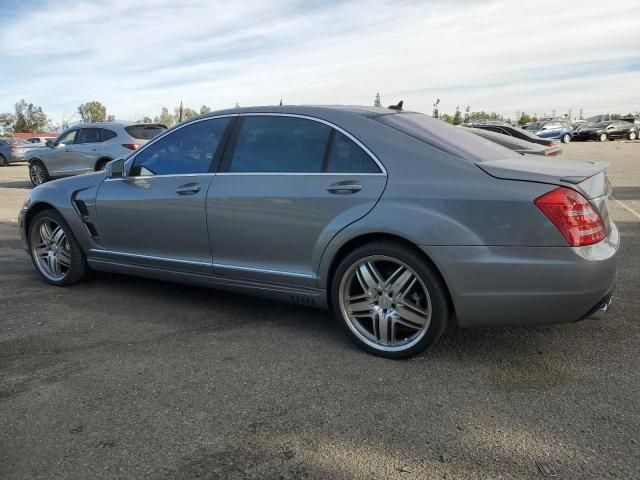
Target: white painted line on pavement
<point>626,207</point>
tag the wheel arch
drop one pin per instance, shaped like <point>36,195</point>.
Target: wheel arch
<point>365,238</point>
<point>101,160</point>
<point>33,211</point>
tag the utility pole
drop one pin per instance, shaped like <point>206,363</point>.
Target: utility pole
<point>377,102</point>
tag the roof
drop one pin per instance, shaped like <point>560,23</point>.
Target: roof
<point>362,110</point>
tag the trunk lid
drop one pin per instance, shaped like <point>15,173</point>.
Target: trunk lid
<point>588,178</point>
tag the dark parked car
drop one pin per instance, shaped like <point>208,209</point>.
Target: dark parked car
<point>398,222</point>
<point>557,129</point>
<point>516,132</point>
<point>610,130</point>
<point>518,145</point>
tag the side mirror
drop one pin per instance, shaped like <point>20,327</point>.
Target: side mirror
<point>49,143</point>
<point>115,169</point>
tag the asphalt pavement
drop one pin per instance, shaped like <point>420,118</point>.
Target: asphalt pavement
<point>122,377</point>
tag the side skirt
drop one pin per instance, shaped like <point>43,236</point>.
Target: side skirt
<point>311,297</point>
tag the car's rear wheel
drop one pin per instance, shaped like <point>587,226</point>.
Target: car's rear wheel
<point>3,161</point>
<point>603,137</point>
<point>38,173</point>
<point>54,250</point>
<point>566,138</point>
<point>632,135</point>
<point>391,302</point>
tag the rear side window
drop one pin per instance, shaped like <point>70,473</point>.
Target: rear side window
<point>347,157</point>
<point>108,135</point>
<point>279,144</point>
<point>453,140</point>
<point>189,149</point>
<point>89,135</point>
<point>144,132</point>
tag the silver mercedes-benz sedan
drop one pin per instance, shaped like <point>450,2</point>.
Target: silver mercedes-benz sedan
<point>398,222</point>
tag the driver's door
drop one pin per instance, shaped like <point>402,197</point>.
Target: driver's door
<point>156,215</point>
<point>61,157</point>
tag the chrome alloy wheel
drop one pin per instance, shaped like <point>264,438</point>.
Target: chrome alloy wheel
<point>385,303</point>
<point>36,173</point>
<point>51,250</point>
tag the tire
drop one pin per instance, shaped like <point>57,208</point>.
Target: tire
<point>632,135</point>
<point>3,161</point>
<point>603,137</point>
<point>38,173</point>
<point>413,316</point>
<point>61,249</point>
<point>566,138</point>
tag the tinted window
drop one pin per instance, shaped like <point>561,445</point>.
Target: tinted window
<point>453,140</point>
<point>144,132</point>
<point>67,137</point>
<point>189,149</point>
<point>347,157</point>
<point>89,135</point>
<point>108,135</point>
<point>280,144</point>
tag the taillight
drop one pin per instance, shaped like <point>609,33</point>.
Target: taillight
<point>573,215</point>
<point>131,146</point>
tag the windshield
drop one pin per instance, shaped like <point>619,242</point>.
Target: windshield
<point>602,124</point>
<point>534,127</point>
<point>456,141</point>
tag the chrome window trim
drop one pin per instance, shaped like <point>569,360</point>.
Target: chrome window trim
<point>383,171</point>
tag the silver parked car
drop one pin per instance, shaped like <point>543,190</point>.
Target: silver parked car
<point>400,223</point>
<point>86,148</point>
<point>12,150</point>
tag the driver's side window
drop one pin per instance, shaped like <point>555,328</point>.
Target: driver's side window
<point>189,149</point>
<point>67,137</point>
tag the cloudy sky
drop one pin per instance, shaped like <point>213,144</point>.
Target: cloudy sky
<point>136,56</point>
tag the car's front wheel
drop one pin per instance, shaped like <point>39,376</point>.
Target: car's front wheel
<point>566,138</point>
<point>391,302</point>
<point>55,251</point>
<point>38,173</point>
<point>3,161</point>
<point>632,135</point>
<point>603,137</point>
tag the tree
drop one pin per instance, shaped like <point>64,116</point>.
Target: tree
<point>482,115</point>
<point>457,117</point>
<point>92,112</point>
<point>165,118</point>
<point>466,114</point>
<point>29,118</point>
<point>204,109</point>
<point>436,112</point>
<point>7,121</point>
<point>377,102</point>
<point>524,119</point>
<point>446,117</point>
<point>146,119</point>
<point>111,118</point>
<point>184,113</point>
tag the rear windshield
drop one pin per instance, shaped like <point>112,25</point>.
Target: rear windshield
<point>144,132</point>
<point>453,140</point>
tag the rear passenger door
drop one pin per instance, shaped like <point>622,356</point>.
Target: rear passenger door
<point>286,186</point>
<point>87,148</point>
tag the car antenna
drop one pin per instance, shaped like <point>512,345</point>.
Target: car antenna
<point>398,106</point>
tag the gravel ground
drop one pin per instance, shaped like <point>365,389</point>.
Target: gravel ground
<point>123,377</point>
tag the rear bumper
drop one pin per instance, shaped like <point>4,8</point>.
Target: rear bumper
<point>500,286</point>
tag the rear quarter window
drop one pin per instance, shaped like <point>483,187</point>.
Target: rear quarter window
<point>144,132</point>
<point>453,140</point>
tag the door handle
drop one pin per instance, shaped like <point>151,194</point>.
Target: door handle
<point>188,189</point>
<point>345,188</point>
